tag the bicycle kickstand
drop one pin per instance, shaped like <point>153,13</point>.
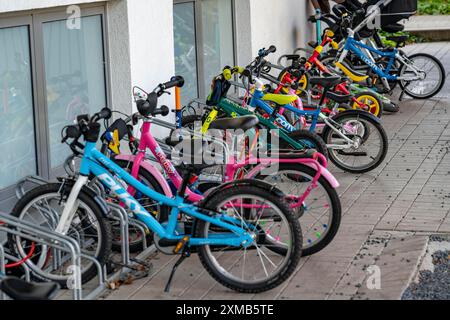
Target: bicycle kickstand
<point>183,247</point>
<point>402,94</point>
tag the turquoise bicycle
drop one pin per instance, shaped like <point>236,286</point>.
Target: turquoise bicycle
<point>236,229</point>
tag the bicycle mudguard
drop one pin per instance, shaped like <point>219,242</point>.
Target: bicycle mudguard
<point>106,212</point>
<point>152,170</point>
<point>357,112</point>
<point>324,172</point>
<point>245,182</point>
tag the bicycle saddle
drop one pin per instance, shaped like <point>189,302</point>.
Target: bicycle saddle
<point>351,73</point>
<point>339,98</point>
<point>291,57</point>
<point>244,123</point>
<point>21,290</point>
<point>293,154</point>
<point>280,99</point>
<point>326,82</point>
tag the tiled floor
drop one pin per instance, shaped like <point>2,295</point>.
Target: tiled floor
<point>387,217</point>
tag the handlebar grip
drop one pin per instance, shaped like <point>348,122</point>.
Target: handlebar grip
<point>105,113</point>
<point>312,19</point>
<point>72,132</point>
<point>247,73</point>
<point>264,53</point>
<point>177,81</point>
<point>164,111</point>
<point>272,49</point>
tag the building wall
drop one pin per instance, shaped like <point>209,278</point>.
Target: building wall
<point>19,5</point>
<point>262,23</point>
<point>140,41</point>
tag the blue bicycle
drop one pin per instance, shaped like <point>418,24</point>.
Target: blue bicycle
<point>355,139</point>
<point>420,75</point>
<point>237,230</point>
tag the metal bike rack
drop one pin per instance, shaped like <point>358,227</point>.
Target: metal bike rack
<point>119,214</point>
<point>44,236</point>
<point>122,216</point>
<point>20,187</point>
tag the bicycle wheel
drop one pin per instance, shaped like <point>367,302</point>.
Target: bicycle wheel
<point>256,268</point>
<point>319,215</point>
<point>370,103</point>
<point>158,210</point>
<point>370,143</point>
<point>311,139</point>
<point>43,206</point>
<point>434,74</point>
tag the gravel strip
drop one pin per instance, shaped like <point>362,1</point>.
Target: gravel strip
<point>432,285</point>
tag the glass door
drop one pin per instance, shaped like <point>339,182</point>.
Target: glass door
<point>49,74</point>
<point>74,77</point>
<point>204,43</point>
<point>185,38</point>
<point>17,128</point>
<point>72,73</point>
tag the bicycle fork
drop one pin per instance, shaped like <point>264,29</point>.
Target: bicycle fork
<point>71,206</point>
<point>350,143</point>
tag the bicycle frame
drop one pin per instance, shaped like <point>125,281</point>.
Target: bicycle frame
<point>97,164</point>
<point>357,47</point>
<point>148,141</point>
<point>234,110</point>
<point>354,46</point>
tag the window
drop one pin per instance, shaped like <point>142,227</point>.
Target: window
<point>204,43</point>
<point>49,74</point>
<point>17,144</point>
<point>74,77</point>
<point>186,47</point>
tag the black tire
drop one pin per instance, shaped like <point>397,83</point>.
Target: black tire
<point>328,132</point>
<point>104,250</point>
<point>441,71</point>
<point>296,241</point>
<point>309,136</point>
<point>335,206</point>
<point>163,214</point>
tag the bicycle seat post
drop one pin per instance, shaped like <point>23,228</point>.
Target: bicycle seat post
<point>187,175</point>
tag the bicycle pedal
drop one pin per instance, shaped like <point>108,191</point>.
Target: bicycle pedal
<point>181,245</point>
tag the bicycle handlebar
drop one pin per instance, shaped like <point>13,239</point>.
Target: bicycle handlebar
<point>177,81</point>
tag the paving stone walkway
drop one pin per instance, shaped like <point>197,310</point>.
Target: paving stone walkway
<point>388,215</point>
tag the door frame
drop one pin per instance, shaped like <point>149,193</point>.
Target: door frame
<point>14,22</point>
<point>34,20</point>
<point>38,20</point>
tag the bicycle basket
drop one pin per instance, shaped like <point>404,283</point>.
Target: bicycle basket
<point>114,134</point>
<point>219,90</point>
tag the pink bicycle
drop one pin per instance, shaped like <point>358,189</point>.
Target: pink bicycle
<point>309,188</point>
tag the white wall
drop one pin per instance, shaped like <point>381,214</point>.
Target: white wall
<point>18,5</point>
<point>150,24</point>
<point>262,23</point>
<point>282,23</point>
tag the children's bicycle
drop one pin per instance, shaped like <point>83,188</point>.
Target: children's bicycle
<point>420,75</point>
<point>310,189</point>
